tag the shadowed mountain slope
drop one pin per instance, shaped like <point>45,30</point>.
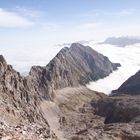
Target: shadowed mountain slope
<point>130,86</point>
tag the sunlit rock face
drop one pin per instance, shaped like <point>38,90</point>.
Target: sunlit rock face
<point>19,103</point>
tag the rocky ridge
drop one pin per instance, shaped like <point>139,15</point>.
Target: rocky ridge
<point>19,101</point>
<point>71,67</point>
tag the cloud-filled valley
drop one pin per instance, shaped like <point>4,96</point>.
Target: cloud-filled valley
<point>23,58</point>
<point>130,63</point>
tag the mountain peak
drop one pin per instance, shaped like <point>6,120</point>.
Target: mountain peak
<point>72,67</point>
<point>77,46</point>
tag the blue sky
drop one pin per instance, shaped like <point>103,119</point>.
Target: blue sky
<point>42,22</point>
<point>30,29</point>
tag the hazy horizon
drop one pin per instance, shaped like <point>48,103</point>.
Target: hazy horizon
<point>43,23</point>
<point>31,32</point>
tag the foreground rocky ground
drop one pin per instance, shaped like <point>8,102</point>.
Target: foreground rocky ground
<point>22,132</point>
<point>103,118</point>
<point>82,114</point>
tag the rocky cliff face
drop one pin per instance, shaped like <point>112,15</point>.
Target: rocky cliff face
<point>17,92</point>
<point>19,106</point>
<point>71,67</point>
<point>130,86</point>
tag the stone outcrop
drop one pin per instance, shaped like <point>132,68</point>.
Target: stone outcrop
<point>19,101</point>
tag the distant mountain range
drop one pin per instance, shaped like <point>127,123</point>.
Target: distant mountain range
<point>121,41</point>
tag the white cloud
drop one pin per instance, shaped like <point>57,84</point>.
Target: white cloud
<point>99,12</point>
<point>124,12</point>
<point>129,59</point>
<point>22,60</point>
<point>28,12</point>
<point>13,19</point>
<point>89,25</point>
<point>92,13</point>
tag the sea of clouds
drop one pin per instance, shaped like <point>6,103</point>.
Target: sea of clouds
<point>128,57</point>
<point>23,58</point>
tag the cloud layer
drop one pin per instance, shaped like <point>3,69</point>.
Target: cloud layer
<point>129,59</point>
<point>99,12</point>
<point>12,19</point>
<point>90,25</point>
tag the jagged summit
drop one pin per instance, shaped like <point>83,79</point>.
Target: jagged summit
<point>62,51</point>
<point>72,67</point>
<point>77,45</point>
